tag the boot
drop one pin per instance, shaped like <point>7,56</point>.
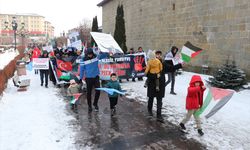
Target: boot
<point>160,119</point>
<point>150,113</point>
<point>173,93</point>
<point>200,132</point>
<point>182,126</point>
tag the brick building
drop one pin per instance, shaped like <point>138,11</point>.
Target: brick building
<point>220,27</point>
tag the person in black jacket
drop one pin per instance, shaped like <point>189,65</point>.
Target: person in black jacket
<point>171,67</point>
<point>153,93</point>
<point>44,73</point>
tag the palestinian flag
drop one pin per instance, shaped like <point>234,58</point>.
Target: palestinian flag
<point>63,75</point>
<point>189,51</point>
<point>215,100</point>
<point>75,98</point>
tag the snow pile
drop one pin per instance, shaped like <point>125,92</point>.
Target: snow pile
<point>227,129</point>
<point>34,119</point>
<point>6,57</point>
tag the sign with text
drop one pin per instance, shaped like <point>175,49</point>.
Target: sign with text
<point>41,63</point>
<point>125,67</point>
<point>106,43</point>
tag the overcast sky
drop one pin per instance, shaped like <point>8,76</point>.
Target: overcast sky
<point>63,14</point>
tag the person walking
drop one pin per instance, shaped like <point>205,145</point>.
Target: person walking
<point>89,72</point>
<point>114,84</point>
<point>152,91</point>
<point>44,73</point>
<point>36,53</point>
<point>194,102</point>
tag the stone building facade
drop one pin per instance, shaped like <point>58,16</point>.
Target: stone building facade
<point>220,27</point>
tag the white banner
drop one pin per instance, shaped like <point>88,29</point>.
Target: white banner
<point>106,43</point>
<point>75,40</point>
<point>48,48</point>
<point>41,63</point>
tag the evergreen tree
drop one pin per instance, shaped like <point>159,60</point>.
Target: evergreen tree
<point>229,77</point>
<point>94,29</point>
<point>120,33</point>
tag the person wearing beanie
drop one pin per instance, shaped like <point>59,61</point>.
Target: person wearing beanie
<point>73,88</point>
<point>89,72</point>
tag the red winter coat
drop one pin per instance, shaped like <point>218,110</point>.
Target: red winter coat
<point>193,101</point>
<point>36,53</point>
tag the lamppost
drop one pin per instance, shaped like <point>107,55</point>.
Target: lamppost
<point>14,28</point>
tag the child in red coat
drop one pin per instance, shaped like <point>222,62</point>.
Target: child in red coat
<point>194,101</point>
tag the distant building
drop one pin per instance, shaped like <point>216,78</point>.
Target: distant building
<point>220,27</point>
<point>35,27</point>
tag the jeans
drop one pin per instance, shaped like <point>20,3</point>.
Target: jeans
<point>171,78</point>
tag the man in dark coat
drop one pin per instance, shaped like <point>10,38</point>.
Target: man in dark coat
<point>44,73</point>
<point>152,93</point>
<point>171,67</point>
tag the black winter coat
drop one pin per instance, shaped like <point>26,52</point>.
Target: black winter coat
<point>151,91</point>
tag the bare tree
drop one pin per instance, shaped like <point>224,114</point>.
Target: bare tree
<point>84,30</point>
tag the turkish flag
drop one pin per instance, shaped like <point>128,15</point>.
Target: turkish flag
<point>65,66</point>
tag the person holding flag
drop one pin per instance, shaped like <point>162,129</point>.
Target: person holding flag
<point>194,102</point>
<point>171,66</point>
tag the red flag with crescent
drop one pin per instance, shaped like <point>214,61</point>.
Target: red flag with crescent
<point>65,66</point>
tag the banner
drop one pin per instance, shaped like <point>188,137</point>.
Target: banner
<point>48,48</point>
<point>41,63</point>
<point>125,67</point>
<point>106,43</point>
<point>75,40</point>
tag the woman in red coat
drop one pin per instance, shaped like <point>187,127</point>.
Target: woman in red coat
<point>194,101</point>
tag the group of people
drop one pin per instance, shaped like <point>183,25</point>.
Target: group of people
<point>156,69</point>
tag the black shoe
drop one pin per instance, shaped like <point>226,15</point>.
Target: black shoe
<point>41,84</point>
<point>90,110</point>
<point>160,119</point>
<point>46,86</point>
<point>133,80</point>
<point>173,93</point>
<point>182,126</point>
<point>112,112</point>
<point>150,113</point>
<point>96,109</point>
<point>200,132</point>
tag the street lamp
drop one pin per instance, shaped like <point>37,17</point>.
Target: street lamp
<point>14,27</point>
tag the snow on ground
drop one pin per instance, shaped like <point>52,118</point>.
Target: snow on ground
<point>35,119</point>
<point>6,57</point>
<point>227,129</point>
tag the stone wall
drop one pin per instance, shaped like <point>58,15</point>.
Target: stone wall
<point>220,27</point>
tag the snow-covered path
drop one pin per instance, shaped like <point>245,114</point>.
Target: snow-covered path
<point>228,129</point>
<point>34,119</point>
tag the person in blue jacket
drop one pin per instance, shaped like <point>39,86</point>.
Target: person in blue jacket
<point>89,72</point>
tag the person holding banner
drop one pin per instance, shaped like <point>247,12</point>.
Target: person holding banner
<point>44,73</point>
<point>35,54</point>
<point>194,102</point>
<point>89,72</point>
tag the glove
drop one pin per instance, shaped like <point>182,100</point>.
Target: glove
<point>121,95</point>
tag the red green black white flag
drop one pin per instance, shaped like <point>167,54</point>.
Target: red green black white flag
<point>189,51</point>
